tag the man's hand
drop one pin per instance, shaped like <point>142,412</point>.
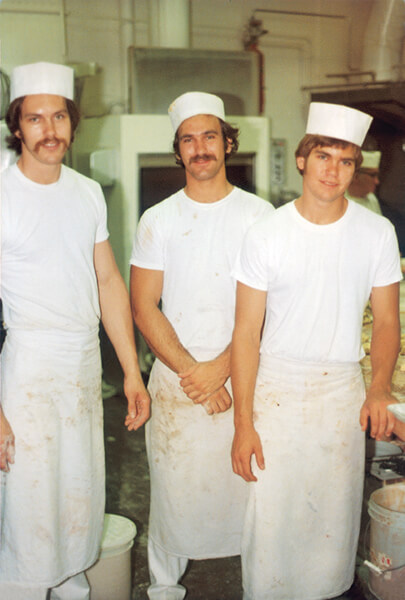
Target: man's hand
<point>218,402</point>
<point>246,442</point>
<point>7,444</point>
<point>382,421</point>
<point>138,403</point>
<point>204,378</point>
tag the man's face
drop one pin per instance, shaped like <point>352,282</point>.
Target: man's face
<point>367,180</point>
<point>201,147</point>
<point>328,171</point>
<point>45,129</point>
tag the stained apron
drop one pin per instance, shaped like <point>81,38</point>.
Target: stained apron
<point>52,500</point>
<point>197,502</point>
<point>303,516</point>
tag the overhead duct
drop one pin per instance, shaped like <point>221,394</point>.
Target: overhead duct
<point>383,39</point>
<point>169,23</point>
<point>169,67</point>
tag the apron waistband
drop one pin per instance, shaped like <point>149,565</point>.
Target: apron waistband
<point>281,367</point>
<point>57,337</point>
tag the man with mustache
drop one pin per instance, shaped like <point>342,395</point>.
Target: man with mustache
<point>182,255</point>
<point>59,277</point>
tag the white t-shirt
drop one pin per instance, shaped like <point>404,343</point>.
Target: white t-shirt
<point>318,279</point>
<point>195,244</point>
<point>48,236</point>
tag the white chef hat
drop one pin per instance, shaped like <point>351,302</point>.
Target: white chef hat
<point>42,78</point>
<point>195,103</point>
<point>371,160</point>
<point>338,121</point>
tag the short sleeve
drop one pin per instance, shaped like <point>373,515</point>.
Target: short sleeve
<point>147,248</point>
<point>388,269</point>
<point>251,264</point>
<point>102,230</point>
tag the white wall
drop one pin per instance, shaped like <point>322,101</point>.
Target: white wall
<point>299,51</point>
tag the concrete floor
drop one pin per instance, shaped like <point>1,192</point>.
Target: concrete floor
<point>128,495</point>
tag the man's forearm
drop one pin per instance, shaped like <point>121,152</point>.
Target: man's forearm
<point>385,346</point>
<point>384,353</point>
<point>117,320</point>
<point>162,339</point>
<point>244,365</point>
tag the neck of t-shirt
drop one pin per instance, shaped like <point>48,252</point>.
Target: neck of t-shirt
<point>42,174</point>
<point>206,192</point>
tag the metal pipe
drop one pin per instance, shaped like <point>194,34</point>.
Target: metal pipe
<point>63,28</point>
<point>29,11</point>
<point>351,86</point>
<point>300,13</point>
<point>354,74</point>
<point>126,18</point>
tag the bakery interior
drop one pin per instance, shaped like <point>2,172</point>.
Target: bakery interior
<point>131,58</point>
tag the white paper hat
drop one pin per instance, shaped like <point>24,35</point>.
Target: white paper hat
<point>338,121</point>
<point>371,160</point>
<point>42,78</point>
<point>195,103</point>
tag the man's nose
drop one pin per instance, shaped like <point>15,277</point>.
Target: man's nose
<point>49,127</point>
<point>333,166</point>
<point>199,146</point>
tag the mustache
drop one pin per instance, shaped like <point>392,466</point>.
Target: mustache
<point>50,140</point>
<point>198,157</point>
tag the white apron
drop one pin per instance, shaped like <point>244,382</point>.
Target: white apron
<point>52,500</point>
<point>303,517</point>
<point>197,502</point>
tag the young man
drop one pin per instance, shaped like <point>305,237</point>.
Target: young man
<point>365,180</point>
<point>183,252</point>
<point>58,276</point>
<point>307,272</point>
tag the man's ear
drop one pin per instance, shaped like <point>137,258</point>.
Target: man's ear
<point>228,148</point>
<point>18,134</point>
<point>300,160</point>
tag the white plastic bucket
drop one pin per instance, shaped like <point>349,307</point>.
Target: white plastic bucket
<point>110,576</point>
<point>386,508</point>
